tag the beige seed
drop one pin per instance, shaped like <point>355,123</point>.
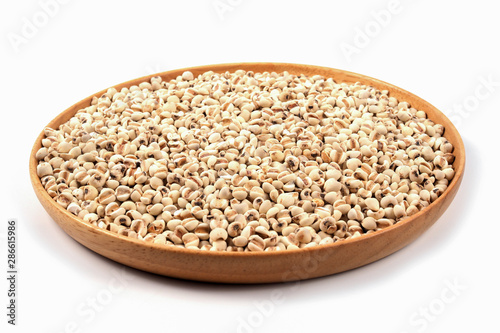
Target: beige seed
<point>234,229</point>
<point>41,153</point>
<point>44,169</point>
<point>219,245</point>
<point>106,196</point>
<point>399,211</point>
<point>272,212</point>
<point>187,76</point>
<point>73,208</point>
<point>256,243</point>
<point>218,234</point>
<point>156,227</point>
<point>240,241</point>
<point>286,200</point>
<point>332,185</point>
<point>155,209</point>
<point>372,204</point>
<point>388,201</point>
<point>369,223</point>
<point>190,240</point>
<point>256,192</point>
<point>239,193</point>
<point>202,231</point>
<point>304,236</point>
<point>89,192</point>
<point>122,220</point>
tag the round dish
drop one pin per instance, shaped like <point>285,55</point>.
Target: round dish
<point>261,267</point>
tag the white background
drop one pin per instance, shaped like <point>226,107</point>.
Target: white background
<point>442,51</point>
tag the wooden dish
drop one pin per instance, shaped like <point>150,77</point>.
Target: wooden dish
<point>262,267</point>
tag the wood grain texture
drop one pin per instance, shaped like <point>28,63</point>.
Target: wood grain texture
<point>264,267</point>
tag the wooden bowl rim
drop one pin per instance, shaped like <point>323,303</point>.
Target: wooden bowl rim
<point>431,111</point>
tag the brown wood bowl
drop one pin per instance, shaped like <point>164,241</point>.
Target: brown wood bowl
<point>262,267</point>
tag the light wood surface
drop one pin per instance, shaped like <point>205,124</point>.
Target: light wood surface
<point>263,267</point>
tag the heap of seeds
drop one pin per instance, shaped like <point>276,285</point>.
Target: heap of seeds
<point>245,161</point>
